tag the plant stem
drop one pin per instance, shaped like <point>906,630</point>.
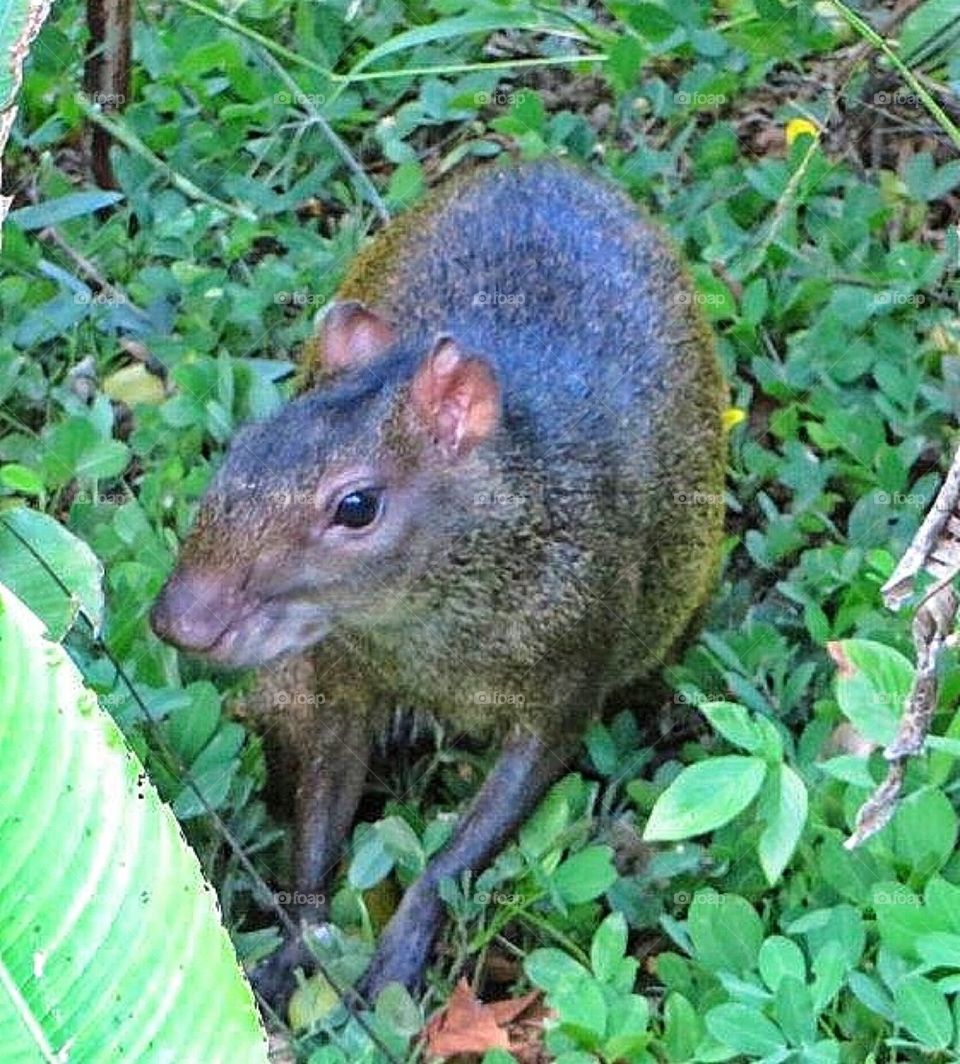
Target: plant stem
<point>870,34</point>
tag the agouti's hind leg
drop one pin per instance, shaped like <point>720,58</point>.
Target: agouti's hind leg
<point>521,775</point>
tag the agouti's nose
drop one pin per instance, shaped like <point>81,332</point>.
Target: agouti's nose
<point>193,610</point>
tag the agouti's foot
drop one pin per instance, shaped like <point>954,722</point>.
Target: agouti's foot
<point>404,947</point>
<point>274,979</point>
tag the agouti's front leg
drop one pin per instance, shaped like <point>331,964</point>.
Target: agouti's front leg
<point>321,737</point>
<point>521,775</point>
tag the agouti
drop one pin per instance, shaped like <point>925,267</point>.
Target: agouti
<point>498,499</point>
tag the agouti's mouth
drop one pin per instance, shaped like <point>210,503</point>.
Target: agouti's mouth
<point>265,632</point>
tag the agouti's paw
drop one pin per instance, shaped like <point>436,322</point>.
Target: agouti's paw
<point>402,953</point>
<point>274,979</point>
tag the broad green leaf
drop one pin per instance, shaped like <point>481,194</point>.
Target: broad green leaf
<point>725,931</point>
<point>738,726</point>
<point>608,946</point>
<point>371,862</point>
<point>829,968</point>
<point>585,875</point>
<point>922,1008</point>
<point>682,1028</point>
<point>783,809</point>
<point>26,534</point>
<point>109,935</point>
<point>873,681</point>
<point>705,796</point>
<point>744,1030</point>
<point>928,23</point>
<point>793,1007</point>
<point>626,1027</point>
<point>900,917</point>
<point>924,830</point>
<point>780,957</point>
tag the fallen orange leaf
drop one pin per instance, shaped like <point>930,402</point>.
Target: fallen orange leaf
<point>467,1025</point>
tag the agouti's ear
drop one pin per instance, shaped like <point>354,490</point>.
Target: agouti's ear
<point>455,397</point>
<point>352,335</point>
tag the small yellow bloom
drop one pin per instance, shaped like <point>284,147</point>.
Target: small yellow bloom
<point>797,127</point>
<point>732,416</point>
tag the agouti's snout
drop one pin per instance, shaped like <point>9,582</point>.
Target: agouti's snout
<point>194,610</point>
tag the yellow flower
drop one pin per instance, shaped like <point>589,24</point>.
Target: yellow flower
<point>732,416</point>
<point>798,127</point>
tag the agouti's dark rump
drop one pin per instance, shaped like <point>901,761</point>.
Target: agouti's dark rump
<point>498,499</point>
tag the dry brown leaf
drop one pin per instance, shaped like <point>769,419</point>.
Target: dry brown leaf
<point>467,1025</point>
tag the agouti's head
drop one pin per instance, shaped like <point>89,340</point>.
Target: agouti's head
<point>330,511</point>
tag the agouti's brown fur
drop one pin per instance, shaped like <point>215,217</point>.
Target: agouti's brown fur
<point>498,499</point>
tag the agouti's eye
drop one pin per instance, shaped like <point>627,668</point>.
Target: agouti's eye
<point>358,509</point>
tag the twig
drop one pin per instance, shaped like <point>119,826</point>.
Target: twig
<point>936,550</point>
<point>349,160</point>
<point>130,140</point>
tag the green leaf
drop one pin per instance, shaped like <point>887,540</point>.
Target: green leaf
<point>793,1007</point>
<point>873,681</point>
<point>585,875</point>
<point>922,1008</point>
<point>744,1030</point>
<point>900,917</point>
<point>924,830</point>
<point>397,1009</point>
<point>62,209</point>
<point>930,20</point>
<point>608,947</point>
<point>780,957</point>
<point>705,796</point>
<point>829,968</point>
<point>550,968</point>
<point>571,989</point>
<point>109,934</point>
<point>725,931</point>
<point>783,809</point>
<point>738,726</point>
<point>371,862</point>
<point>626,1027</point>
<point>940,949</point>
<point>25,534</point>
<point>682,1029</point>
<point>478,22</point>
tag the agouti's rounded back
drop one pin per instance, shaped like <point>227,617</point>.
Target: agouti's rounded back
<point>510,466</point>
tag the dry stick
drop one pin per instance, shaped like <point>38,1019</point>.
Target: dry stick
<point>349,996</point>
<point>125,136</point>
<point>328,131</point>
<point>936,550</point>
